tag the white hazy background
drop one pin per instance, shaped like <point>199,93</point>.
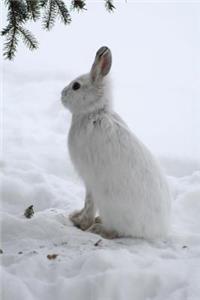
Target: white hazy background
<point>155,73</point>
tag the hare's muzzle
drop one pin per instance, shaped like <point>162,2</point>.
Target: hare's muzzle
<point>63,93</point>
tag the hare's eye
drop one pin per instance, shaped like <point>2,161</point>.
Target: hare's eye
<point>76,86</point>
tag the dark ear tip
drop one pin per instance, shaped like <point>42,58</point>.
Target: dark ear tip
<point>102,51</point>
<point>102,63</point>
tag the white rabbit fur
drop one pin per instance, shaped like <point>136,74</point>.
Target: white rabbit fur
<point>123,180</point>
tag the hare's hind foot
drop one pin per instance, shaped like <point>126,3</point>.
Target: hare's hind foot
<point>98,228</point>
<point>81,220</point>
<point>97,220</point>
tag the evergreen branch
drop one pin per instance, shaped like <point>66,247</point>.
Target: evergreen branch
<point>78,5</point>
<point>50,15</point>
<point>33,7</point>
<point>43,3</point>
<point>7,29</point>
<point>109,5</point>
<point>11,44</point>
<point>63,11</point>
<point>22,11</point>
<point>17,13</point>
<point>28,38</point>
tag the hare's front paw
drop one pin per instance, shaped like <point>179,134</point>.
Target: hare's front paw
<point>81,220</point>
<point>98,228</point>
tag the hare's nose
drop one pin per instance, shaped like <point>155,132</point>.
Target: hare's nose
<point>64,92</point>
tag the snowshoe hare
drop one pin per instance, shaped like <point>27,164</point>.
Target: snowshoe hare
<point>122,179</point>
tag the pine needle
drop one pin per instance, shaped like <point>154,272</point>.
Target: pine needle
<point>28,38</point>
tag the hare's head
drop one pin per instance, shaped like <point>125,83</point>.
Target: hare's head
<point>88,92</point>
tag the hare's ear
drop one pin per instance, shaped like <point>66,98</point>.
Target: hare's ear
<point>102,64</point>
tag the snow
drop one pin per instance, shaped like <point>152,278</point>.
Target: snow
<point>36,169</point>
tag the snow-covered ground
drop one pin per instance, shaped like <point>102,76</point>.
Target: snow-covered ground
<point>36,170</point>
